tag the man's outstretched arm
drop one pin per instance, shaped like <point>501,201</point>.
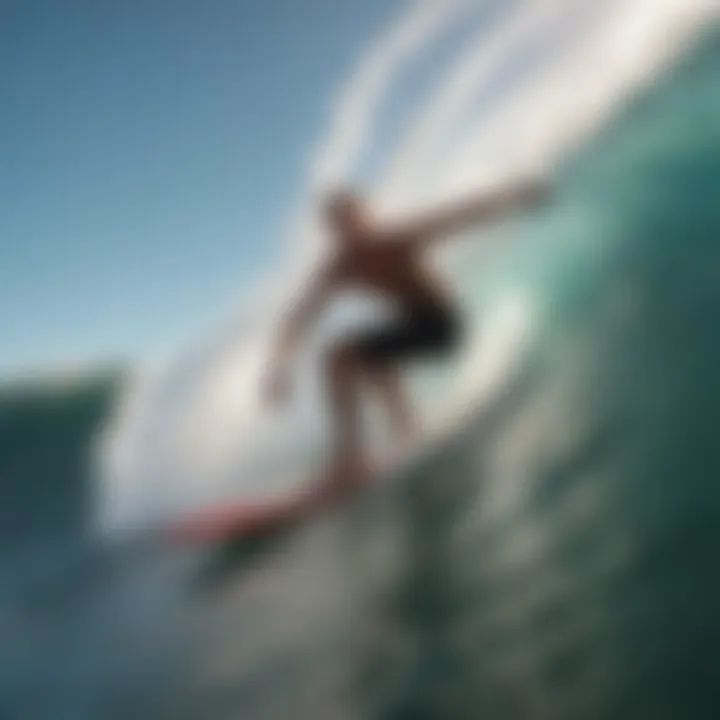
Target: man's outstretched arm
<point>484,208</point>
<point>294,329</point>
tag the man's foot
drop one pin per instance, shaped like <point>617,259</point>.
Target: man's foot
<point>343,476</point>
<point>406,436</point>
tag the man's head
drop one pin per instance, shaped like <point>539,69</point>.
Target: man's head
<point>347,215</point>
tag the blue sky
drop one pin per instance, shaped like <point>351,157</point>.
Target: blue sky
<point>152,151</point>
<point>148,153</point>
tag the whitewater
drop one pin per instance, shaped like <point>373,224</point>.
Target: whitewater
<point>191,430</point>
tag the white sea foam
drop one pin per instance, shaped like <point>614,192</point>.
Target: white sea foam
<point>193,431</point>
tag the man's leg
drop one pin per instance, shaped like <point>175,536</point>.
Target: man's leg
<point>386,379</point>
<point>342,375</point>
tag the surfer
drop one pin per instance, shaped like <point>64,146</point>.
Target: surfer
<point>389,260</point>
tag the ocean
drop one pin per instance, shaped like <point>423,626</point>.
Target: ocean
<point>556,559</point>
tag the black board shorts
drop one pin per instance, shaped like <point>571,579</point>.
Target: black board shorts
<point>429,331</point>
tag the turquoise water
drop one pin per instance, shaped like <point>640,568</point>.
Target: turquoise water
<point>556,560</point>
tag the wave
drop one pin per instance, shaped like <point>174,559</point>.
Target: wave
<point>47,427</point>
<point>193,431</point>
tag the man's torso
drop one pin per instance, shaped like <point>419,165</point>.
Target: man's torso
<point>394,270</point>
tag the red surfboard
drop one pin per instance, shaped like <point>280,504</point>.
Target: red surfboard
<point>247,519</point>
<point>250,519</point>
<point>235,520</point>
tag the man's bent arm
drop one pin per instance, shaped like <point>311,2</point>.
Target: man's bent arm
<point>297,324</point>
<point>485,208</point>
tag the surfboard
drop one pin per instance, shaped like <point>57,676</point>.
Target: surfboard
<point>246,520</point>
<point>235,520</point>
<point>251,519</point>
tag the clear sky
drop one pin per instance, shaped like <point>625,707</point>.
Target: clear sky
<point>149,150</point>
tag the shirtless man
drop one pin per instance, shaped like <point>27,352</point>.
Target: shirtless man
<point>387,260</point>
